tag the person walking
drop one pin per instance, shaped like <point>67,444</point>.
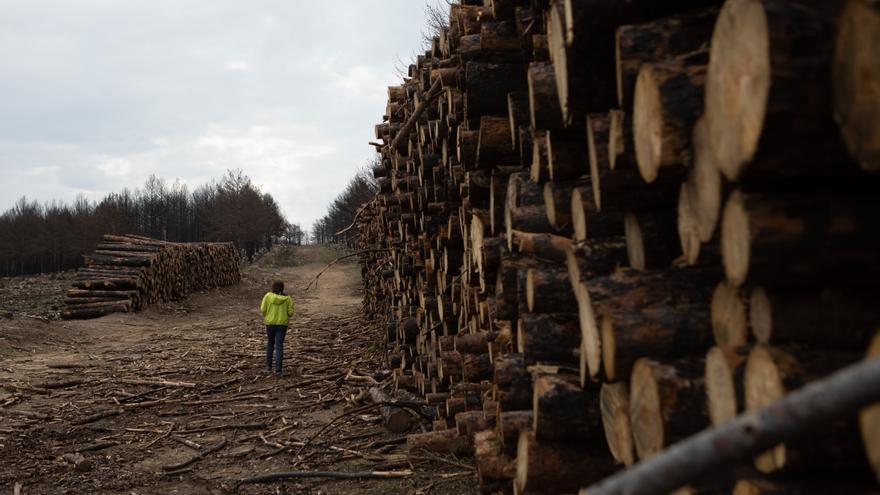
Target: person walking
<point>277,308</point>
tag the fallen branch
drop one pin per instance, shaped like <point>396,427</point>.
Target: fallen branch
<point>404,131</point>
<point>30,414</point>
<point>96,417</point>
<point>266,478</point>
<point>97,446</point>
<point>353,222</point>
<point>60,384</point>
<point>245,426</point>
<point>799,413</point>
<point>337,260</point>
<point>197,457</point>
<point>184,441</point>
<point>162,383</point>
<point>414,406</point>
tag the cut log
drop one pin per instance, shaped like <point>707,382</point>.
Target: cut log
<point>856,81</point>
<point>651,240</point>
<point>396,419</point>
<point>614,404</point>
<point>830,318</point>
<point>582,48</point>
<point>476,367</point>
<point>724,382</point>
<point>667,38</point>
<point>563,411</point>
<point>799,414</point>
<point>620,139</point>
<point>649,314</point>
<point>486,89</point>
<point>588,222</point>
<point>94,312</point>
<point>550,338</point>
<point>510,424</point>
<point>513,385</point>
<point>556,467</point>
<point>518,114</point>
<point>548,290</point>
<point>494,145</point>
<point>688,230</point>
<point>787,239</point>
<point>469,423</point>
<point>493,465</point>
<point>444,441</point>
<point>525,219</point>
<point>668,101</point>
<point>729,316</point>
<point>704,184</point>
<point>543,99</point>
<point>766,110</point>
<point>565,154</point>
<point>770,373</point>
<point>667,403</point>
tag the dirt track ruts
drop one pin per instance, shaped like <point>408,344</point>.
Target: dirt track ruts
<point>181,378</point>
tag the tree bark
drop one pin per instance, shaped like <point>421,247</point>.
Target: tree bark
<point>780,123</point>
<point>667,403</point>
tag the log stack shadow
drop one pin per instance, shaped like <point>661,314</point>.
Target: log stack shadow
<point>127,273</point>
<point>577,280</point>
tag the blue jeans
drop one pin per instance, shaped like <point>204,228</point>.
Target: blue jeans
<point>275,342</point>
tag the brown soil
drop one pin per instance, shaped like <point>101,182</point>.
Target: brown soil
<point>54,374</point>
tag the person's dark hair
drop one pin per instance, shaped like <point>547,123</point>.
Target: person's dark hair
<point>278,287</point>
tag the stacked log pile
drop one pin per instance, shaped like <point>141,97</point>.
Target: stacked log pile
<point>127,273</point>
<point>602,227</point>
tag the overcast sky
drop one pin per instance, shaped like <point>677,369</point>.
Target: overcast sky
<point>95,95</point>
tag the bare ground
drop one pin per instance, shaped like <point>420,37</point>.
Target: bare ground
<point>185,377</point>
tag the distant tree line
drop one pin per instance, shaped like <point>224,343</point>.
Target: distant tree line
<point>37,238</point>
<point>342,210</point>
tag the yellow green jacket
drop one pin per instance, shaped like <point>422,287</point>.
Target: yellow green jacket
<point>276,308</point>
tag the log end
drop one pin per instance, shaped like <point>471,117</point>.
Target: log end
<point>648,124</point>
<point>763,386</point>
<point>578,216</point>
<point>720,387</point>
<point>645,410</point>
<point>761,315</point>
<point>856,81</point>
<point>728,316</point>
<point>738,83</point>
<point>591,348</point>
<point>735,239</point>
<point>614,404</point>
<point>688,230</point>
<point>635,243</point>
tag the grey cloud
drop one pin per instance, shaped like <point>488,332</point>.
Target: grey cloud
<point>98,94</point>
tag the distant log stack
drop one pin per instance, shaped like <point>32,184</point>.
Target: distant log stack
<point>127,273</point>
<point>576,281</point>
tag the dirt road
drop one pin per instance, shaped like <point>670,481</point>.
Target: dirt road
<point>186,382</point>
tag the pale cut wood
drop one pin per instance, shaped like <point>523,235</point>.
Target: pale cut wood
<point>729,316</point>
<point>614,404</point>
<point>666,403</point>
<point>856,81</point>
<point>772,372</point>
<point>724,383</point>
<point>767,112</point>
<point>668,101</point>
